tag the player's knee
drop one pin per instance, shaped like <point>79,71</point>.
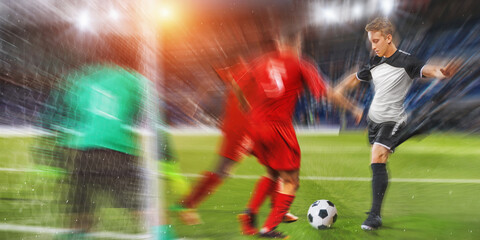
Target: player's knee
<point>222,173</point>
<point>380,157</point>
<point>272,174</point>
<point>273,177</point>
<point>380,154</point>
<point>292,181</point>
<point>224,167</point>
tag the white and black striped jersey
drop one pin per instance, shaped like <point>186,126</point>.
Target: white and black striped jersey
<point>392,78</point>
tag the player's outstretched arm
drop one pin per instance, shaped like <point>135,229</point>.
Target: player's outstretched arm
<point>226,75</point>
<point>338,94</point>
<point>440,72</point>
<point>347,84</point>
<point>244,104</point>
<point>345,103</point>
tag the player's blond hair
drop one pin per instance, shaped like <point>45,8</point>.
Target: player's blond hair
<point>380,24</point>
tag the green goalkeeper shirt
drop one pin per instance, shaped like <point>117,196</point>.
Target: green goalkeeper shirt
<point>103,105</point>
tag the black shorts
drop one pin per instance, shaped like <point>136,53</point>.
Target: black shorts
<point>104,171</point>
<point>384,134</point>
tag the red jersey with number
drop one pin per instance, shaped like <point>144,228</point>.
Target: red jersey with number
<point>280,78</point>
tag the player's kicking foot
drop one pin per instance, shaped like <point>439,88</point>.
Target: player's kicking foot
<point>289,218</point>
<point>373,222</point>
<point>189,216</point>
<point>248,223</point>
<point>272,234</point>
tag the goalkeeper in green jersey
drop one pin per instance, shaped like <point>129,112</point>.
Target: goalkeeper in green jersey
<point>102,107</point>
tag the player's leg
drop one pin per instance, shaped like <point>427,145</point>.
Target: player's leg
<point>127,184</point>
<point>289,217</point>
<point>85,185</point>
<point>205,187</point>
<point>380,156</point>
<point>264,187</point>
<point>379,186</point>
<point>382,137</point>
<point>446,115</point>
<point>82,219</point>
<point>208,183</point>
<point>283,200</point>
<point>81,192</point>
<point>282,153</point>
<point>232,150</point>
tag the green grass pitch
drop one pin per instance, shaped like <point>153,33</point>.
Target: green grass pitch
<point>445,209</point>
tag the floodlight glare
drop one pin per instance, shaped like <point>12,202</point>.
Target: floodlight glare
<point>329,15</point>
<point>165,12</point>
<point>83,20</point>
<point>387,6</point>
<point>357,10</point>
<point>114,14</point>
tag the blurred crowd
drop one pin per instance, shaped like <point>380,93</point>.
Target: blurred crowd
<point>36,53</point>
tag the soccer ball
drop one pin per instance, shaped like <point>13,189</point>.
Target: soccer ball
<point>322,214</point>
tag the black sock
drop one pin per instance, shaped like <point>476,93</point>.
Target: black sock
<point>379,186</point>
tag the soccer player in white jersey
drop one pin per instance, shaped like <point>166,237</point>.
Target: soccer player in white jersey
<point>391,71</point>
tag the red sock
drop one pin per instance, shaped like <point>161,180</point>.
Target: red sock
<point>265,186</point>
<point>205,186</point>
<point>280,208</point>
<point>274,193</point>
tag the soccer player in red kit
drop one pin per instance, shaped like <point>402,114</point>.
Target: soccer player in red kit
<point>235,144</point>
<point>279,76</point>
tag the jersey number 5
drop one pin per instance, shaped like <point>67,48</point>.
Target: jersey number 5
<point>276,72</point>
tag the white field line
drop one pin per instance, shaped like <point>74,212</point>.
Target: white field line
<point>26,131</point>
<point>25,170</point>
<point>208,131</point>
<point>50,230</point>
<point>360,179</point>
<point>314,178</point>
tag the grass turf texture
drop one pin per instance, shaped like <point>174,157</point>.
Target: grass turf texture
<point>412,210</point>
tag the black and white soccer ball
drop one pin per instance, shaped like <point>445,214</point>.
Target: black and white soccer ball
<point>322,214</point>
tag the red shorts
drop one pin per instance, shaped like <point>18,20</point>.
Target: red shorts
<point>276,146</point>
<point>236,143</point>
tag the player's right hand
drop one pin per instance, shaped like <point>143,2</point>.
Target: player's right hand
<point>451,68</point>
<point>358,114</point>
